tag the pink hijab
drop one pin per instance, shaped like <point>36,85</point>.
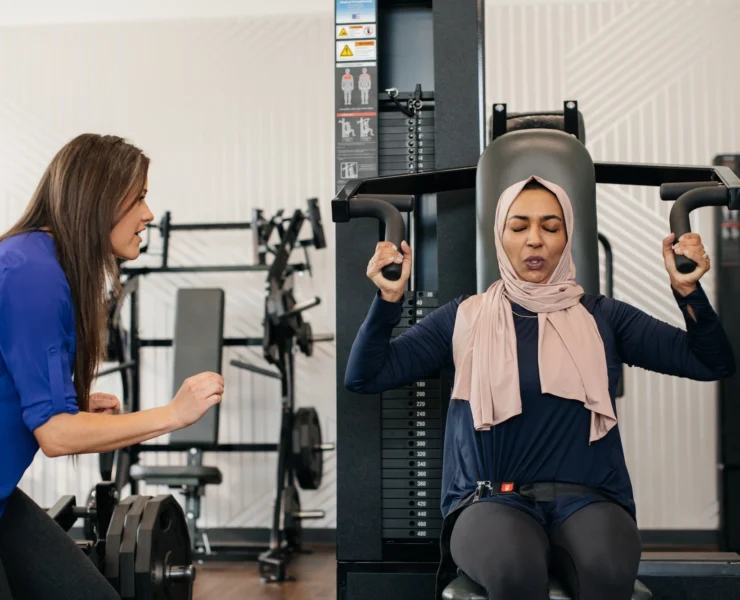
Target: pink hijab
<point>571,355</point>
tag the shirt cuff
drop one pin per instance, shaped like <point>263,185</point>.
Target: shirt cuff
<point>698,300</point>
<point>383,313</point>
<point>36,415</point>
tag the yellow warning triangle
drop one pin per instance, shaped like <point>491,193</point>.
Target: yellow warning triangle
<point>343,33</point>
<point>346,51</point>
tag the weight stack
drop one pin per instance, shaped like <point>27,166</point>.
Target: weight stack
<point>412,446</point>
<point>405,144</point>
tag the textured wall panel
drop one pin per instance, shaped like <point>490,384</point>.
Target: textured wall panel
<point>235,114</point>
<point>650,80</point>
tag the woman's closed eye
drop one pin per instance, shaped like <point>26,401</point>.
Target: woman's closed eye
<point>548,229</point>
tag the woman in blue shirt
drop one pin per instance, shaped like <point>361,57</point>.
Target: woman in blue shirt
<point>55,262</point>
<point>534,478</point>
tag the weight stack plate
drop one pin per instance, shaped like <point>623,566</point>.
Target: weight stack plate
<point>412,445</point>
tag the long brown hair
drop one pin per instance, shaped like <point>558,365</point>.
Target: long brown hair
<point>91,183</point>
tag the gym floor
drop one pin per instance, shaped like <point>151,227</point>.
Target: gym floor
<point>315,575</point>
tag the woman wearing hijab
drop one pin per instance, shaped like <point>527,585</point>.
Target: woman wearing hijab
<point>534,476</point>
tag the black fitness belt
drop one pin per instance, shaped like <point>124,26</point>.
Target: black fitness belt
<point>539,492</point>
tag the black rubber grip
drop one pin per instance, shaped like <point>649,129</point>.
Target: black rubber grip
<point>673,191</point>
<point>679,217</point>
<point>395,228</point>
<point>404,203</point>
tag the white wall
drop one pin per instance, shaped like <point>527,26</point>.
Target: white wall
<point>45,12</point>
<point>235,113</point>
<point>652,81</point>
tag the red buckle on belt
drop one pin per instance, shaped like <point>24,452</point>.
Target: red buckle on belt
<point>507,487</point>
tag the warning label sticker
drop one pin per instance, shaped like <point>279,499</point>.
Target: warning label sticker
<point>356,31</point>
<point>360,50</point>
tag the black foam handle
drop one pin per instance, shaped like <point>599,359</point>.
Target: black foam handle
<point>673,191</point>
<point>679,217</point>
<point>395,228</point>
<point>403,202</point>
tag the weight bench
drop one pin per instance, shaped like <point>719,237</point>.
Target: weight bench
<point>464,588</point>
<point>198,347</point>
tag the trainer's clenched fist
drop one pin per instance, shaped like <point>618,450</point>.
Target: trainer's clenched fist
<point>197,394</point>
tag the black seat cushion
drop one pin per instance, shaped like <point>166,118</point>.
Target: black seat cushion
<point>176,476</point>
<point>464,588</point>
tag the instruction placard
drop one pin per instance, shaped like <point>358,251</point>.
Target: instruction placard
<point>356,51</point>
<point>356,87</point>
<point>355,11</point>
<point>356,122</point>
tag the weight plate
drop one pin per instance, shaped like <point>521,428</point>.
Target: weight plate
<point>388,172</point>
<point>128,548</point>
<point>113,542</point>
<point>391,116</point>
<point>307,454</point>
<point>305,339</point>
<point>164,569</point>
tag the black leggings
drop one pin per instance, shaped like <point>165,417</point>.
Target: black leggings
<point>595,553</point>
<point>41,561</point>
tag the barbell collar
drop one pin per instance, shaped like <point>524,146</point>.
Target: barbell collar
<point>177,573</point>
<point>309,514</point>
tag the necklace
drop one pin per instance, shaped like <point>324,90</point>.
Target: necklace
<point>525,316</point>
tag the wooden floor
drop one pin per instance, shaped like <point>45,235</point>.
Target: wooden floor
<point>315,579</point>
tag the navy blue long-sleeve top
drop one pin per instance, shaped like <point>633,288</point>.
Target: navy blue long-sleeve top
<point>37,350</point>
<point>549,440</point>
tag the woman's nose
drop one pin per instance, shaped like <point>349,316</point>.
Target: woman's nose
<point>534,239</point>
<point>148,216</point>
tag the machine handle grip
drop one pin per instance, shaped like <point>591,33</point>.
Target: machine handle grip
<point>679,216</point>
<point>403,202</point>
<point>673,191</point>
<point>395,228</point>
